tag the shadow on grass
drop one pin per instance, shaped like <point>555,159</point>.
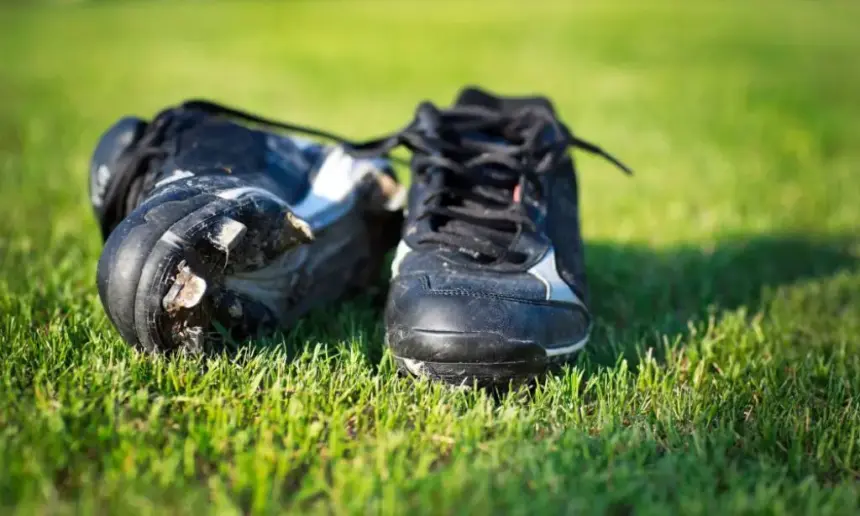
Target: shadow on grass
<point>356,323</point>
<point>637,291</point>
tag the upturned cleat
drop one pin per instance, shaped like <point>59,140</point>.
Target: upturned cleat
<point>217,231</point>
<point>488,282</point>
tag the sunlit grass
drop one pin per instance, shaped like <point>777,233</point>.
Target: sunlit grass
<point>724,374</point>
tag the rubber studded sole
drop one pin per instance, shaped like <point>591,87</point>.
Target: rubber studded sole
<point>479,375</point>
<point>487,374</point>
<point>223,268</point>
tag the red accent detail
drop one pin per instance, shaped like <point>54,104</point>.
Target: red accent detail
<point>517,193</point>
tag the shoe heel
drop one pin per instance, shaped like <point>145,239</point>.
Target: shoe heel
<point>162,273</point>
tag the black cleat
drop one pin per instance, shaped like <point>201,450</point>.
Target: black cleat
<point>488,282</point>
<point>217,232</point>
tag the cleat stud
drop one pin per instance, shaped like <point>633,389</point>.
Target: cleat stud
<point>304,229</point>
<point>186,292</point>
<point>228,234</point>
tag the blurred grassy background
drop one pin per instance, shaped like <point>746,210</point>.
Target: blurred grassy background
<point>736,242</point>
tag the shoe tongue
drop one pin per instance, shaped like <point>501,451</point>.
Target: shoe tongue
<point>105,160</point>
<point>474,96</point>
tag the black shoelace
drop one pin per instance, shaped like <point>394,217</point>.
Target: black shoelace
<point>137,169</point>
<point>478,163</point>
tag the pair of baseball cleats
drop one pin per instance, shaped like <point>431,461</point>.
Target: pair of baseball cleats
<point>221,226</point>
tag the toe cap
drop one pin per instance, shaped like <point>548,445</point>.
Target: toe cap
<point>478,327</point>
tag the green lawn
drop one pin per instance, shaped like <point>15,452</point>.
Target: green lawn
<point>724,373</point>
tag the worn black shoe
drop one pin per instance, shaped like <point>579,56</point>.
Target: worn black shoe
<point>216,232</point>
<point>488,282</point>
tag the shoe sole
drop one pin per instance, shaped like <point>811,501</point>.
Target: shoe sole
<point>488,373</point>
<point>204,273</point>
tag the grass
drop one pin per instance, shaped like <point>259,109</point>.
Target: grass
<point>724,375</point>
